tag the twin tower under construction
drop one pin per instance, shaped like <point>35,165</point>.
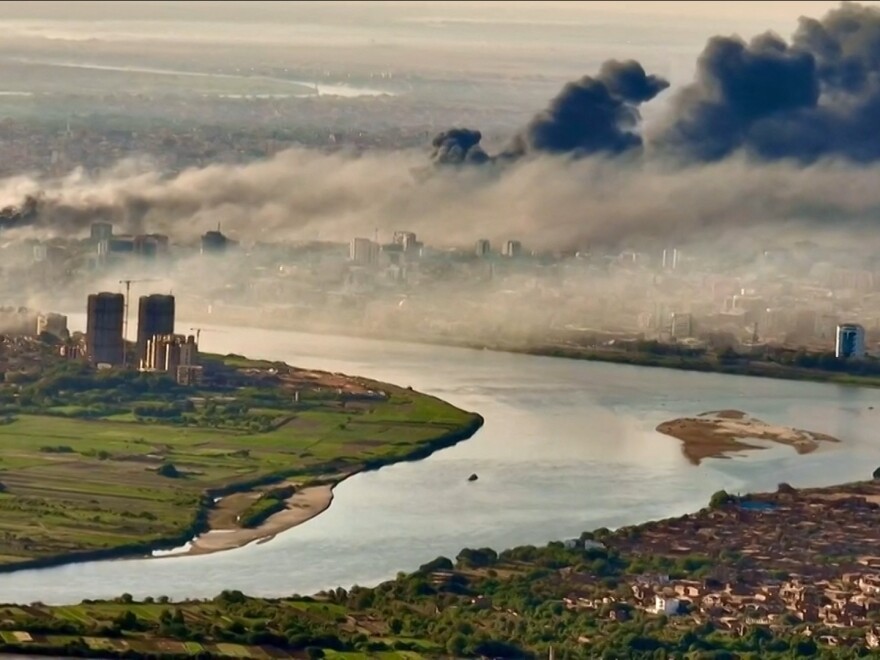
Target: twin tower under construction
<point>157,348</point>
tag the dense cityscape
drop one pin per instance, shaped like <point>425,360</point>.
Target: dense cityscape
<point>792,298</point>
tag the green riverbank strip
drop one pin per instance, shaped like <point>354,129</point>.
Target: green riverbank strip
<point>98,465</point>
<point>778,362</point>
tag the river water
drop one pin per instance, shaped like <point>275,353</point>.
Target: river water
<point>567,446</point>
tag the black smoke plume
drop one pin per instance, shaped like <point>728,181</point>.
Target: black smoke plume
<point>458,146</point>
<point>816,96</point>
<point>591,115</point>
<point>20,216</point>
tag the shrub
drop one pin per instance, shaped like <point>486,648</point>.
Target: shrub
<point>168,470</point>
<point>719,499</point>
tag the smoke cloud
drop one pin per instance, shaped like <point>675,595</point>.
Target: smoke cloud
<point>790,131</point>
<point>457,146</point>
<point>593,114</point>
<point>815,97</point>
<point>547,202</point>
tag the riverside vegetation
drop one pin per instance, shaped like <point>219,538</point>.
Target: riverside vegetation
<point>777,575</point>
<point>107,463</point>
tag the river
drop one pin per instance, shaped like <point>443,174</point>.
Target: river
<point>567,446</point>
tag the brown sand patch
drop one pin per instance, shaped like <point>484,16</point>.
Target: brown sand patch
<point>715,434</point>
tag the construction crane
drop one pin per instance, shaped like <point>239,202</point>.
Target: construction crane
<point>128,284</point>
<point>198,332</point>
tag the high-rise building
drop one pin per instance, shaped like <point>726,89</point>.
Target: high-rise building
<point>214,242</point>
<point>150,245</point>
<point>403,238</point>
<point>363,251</point>
<point>100,231</point>
<point>670,259</point>
<point>512,249</point>
<point>104,343</point>
<point>482,247</point>
<point>850,341</point>
<point>53,324</point>
<point>155,317</point>
<point>168,352</point>
<point>682,326</point>
<point>407,241</point>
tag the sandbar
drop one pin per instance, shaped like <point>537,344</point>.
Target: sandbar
<point>302,506</point>
<point>717,433</point>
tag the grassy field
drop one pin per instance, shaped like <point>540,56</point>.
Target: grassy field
<point>122,628</point>
<point>81,484</point>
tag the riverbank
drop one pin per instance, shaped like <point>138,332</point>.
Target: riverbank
<point>764,567</point>
<point>740,366</point>
<point>81,483</point>
<point>301,507</point>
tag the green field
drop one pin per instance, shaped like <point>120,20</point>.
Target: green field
<point>72,483</point>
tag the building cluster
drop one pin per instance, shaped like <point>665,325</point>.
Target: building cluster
<point>22,321</point>
<point>157,348</point>
<point>785,559</point>
<point>397,285</point>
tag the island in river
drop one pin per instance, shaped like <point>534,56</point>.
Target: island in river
<point>715,434</point>
<point>114,463</point>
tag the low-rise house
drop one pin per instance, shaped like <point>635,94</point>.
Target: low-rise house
<point>664,605</point>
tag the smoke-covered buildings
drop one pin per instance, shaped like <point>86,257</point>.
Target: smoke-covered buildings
<point>363,252</point>
<point>17,321</point>
<point>53,324</point>
<point>512,249</point>
<point>215,242</point>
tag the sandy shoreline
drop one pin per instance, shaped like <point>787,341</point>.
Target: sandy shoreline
<point>304,505</point>
<point>715,434</point>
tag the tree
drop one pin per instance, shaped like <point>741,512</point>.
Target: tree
<point>168,470</point>
<point>456,645</point>
<point>719,499</point>
<point>477,558</point>
<point>438,564</point>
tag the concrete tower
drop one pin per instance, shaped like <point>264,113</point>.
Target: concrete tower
<point>155,317</point>
<point>104,328</point>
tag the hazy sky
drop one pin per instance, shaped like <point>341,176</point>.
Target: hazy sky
<point>758,13</point>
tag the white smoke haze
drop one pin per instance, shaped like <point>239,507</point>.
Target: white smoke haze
<point>547,202</point>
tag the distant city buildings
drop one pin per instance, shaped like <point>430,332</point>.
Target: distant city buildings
<point>681,326</point>
<point>482,247</point>
<point>850,341</point>
<point>363,251</point>
<point>669,260</point>
<point>53,324</point>
<point>168,352</point>
<point>214,242</point>
<point>104,344</point>
<point>100,231</point>
<point>512,249</point>
<point>17,321</point>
